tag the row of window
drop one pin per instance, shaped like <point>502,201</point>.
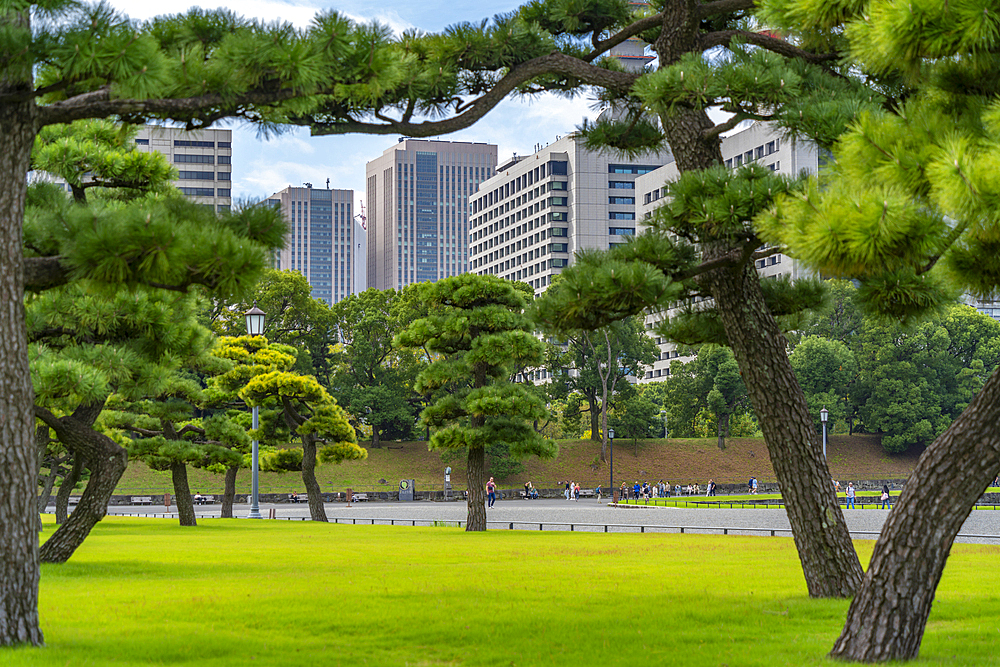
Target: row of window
<point>757,153</point>
<point>183,143</point>
<point>204,176</point>
<point>207,192</point>
<point>201,159</point>
<point>512,187</point>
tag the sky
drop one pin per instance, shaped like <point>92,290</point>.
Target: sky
<point>263,166</point>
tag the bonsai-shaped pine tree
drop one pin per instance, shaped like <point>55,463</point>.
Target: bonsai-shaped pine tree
<point>88,346</point>
<point>262,376</point>
<point>167,436</point>
<point>479,328</point>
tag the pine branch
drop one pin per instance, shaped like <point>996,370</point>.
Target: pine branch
<point>98,104</point>
<point>773,250</point>
<point>714,132</point>
<point>773,44</point>
<point>601,47</point>
<point>42,273</point>
<point>554,63</point>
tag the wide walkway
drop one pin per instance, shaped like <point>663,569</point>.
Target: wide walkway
<point>559,514</point>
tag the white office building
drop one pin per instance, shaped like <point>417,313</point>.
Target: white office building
<point>761,143</point>
<point>538,210</point>
<point>203,159</point>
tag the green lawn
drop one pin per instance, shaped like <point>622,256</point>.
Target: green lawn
<point>747,500</point>
<point>148,592</point>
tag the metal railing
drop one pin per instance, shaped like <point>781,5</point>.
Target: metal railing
<point>559,526</point>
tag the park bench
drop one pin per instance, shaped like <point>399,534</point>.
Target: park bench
<point>294,498</point>
<point>587,493</point>
<point>358,497</point>
<point>525,496</point>
<point>142,500</point>
<point>204,500</point>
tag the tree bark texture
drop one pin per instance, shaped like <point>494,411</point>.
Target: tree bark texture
<point>316,509</point>
<point>19,568</point>
<point>476,476</point>
<point>107,462</point>
<point>887,617</point>
<point>182,494</point>
<point>66,489</point>
<point>229,496</point>
<point>827,554</point>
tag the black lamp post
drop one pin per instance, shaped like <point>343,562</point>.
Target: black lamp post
<point>255,327</point>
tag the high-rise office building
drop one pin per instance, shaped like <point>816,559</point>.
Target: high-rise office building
<point>320,242</point>
<point>418,195</point>
<point>764,144</point>
<point>529,219</point>
<point>203,159</point>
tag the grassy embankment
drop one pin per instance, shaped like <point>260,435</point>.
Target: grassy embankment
<point>147,592</point>
<point>676,461</point>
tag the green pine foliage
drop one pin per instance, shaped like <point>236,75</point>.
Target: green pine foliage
<point>482,337</point>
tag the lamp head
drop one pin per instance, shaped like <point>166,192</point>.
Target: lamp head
<point>824,414</point>
<point>255,320</point>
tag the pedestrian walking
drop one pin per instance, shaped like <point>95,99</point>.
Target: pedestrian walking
<point>850,496</point>
<point>885,497</point>
<point>491,492</point>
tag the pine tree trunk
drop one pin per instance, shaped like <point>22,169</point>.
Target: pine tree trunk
<point>107,462</point>
<point>42,441</point>
<point>476,476</point>
<point>229,496</point>
<point>376,442</point>
<point>19,567</point>
<point>887,617</point>
<point>829,561</point>
<point>316,509</point>
<point>182,494</point>
<point>721,430</point>
<point>66,489</point>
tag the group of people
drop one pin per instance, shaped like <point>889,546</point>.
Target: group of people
<point>572,491</point>
<point>530,492</point>
<point>852,493</point>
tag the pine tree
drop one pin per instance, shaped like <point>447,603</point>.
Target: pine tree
<point>263,376</point>
<point>909,210</point>
<point>483,336</point>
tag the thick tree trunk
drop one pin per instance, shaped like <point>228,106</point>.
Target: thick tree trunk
<point>376,442</point>
<point>829,561</point>
<point>316,509</point>
<point>18,457</point>
<point>67,487</point>
<point>476,476</point>
<point>182,494</point>
<point>721,430</point>
<point>107,462</point>
<point>229,496</point>
<point>887,617</point>
<point>595,418</point>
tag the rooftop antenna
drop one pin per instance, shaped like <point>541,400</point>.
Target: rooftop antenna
<point>364,218</point>
<point>328,184</point>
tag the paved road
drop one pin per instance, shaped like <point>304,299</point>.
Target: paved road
<point>579,513</point>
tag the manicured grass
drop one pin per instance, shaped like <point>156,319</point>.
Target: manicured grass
<point>148,592</point>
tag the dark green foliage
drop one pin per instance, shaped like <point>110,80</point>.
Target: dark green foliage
<point>483,337</point>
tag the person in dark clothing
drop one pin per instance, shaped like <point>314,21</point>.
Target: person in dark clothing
<point>886,501</point>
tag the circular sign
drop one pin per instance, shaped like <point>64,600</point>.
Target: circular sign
<point>404,485</point>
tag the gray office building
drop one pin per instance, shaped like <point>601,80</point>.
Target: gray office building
<point>418,196</point>
<point>320,242</point>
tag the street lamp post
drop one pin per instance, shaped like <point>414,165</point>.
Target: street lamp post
<point>824,414</point>
<point>255,327</point>
<point>611,441</point>
<point>663,415</point>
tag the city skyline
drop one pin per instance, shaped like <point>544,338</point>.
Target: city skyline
<point>294,158</point>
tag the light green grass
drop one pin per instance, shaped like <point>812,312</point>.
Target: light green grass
<point>746,500</point>
<point>236,592</point>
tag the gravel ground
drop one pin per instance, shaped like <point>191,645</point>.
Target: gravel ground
<point>588,514</point>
